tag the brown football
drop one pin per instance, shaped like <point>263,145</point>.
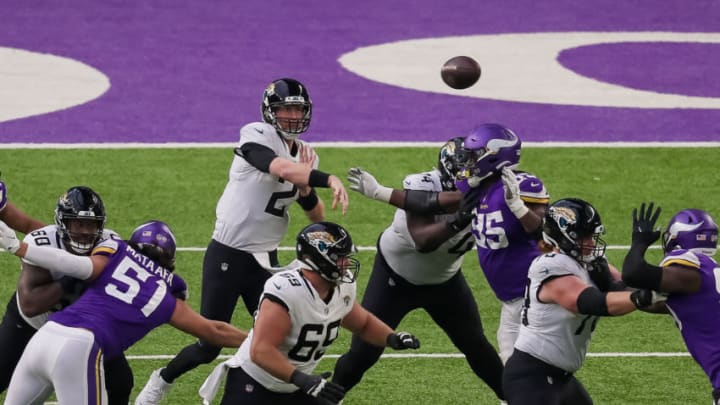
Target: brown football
<point>460,72</point>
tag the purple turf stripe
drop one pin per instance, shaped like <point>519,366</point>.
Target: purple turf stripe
<point>189,71</point>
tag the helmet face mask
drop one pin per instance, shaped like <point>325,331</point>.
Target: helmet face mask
<point>691,229</point>
<point>488,149</point>
<point>448,163</point>
<point>574,227</point>
<point>80,219</point>
<point>327,248</point>
<point>280,99</point>
<point>156,240</point>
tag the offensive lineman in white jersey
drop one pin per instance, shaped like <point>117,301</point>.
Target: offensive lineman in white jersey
<point>561,308</point>
<point>301,312</point>
<point>79,226</point>
<point>418,266</point>
<point>271,170</point>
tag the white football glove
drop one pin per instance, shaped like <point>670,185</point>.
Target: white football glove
<point>364,183</point>
<point>512,193</point>
<point>8,239</point>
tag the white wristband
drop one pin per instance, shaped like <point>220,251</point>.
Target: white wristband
<point>383,193</point>
<point>59,260</point>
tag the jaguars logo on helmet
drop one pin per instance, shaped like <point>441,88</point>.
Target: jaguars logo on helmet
<point>448,163</point>
<point>327,249</point>
<point>568,222</point>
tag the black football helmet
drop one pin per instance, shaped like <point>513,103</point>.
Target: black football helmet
<point>286,92</point>
<point>569,221</point>
<point>323,246</point>
<point>448,163</point>
<point>80,203</point>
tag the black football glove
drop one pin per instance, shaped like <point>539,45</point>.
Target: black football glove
<point>318,386</point>
<point>644,232</point>
<point>465,214</point>
<point>402,341</point>
<point>645,298</point>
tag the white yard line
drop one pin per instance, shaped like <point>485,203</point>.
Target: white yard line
<point>185,145</point>
<point>373,248</point>
<point>440,355</point>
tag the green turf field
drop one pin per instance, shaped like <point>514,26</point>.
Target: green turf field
<point>181,187</point>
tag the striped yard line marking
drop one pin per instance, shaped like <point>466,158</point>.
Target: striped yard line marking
<point>440,355</point>
<point>184,145</point>
<point>373,248</point>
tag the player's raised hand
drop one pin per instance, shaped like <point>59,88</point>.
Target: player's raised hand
<point>340,195</point>
<point>644,231</point>
<point>365,183</point>
<point>307,155</point>
<point>512,193</point>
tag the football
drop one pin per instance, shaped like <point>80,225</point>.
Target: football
<point>460,72</point>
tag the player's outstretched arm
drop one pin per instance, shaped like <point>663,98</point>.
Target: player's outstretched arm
<point>217,333</point>
<point>374,331</point>
<point>14,216</point>
<point>415,201</point>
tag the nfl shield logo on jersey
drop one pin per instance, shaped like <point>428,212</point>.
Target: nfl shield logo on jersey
<point>249,388</point>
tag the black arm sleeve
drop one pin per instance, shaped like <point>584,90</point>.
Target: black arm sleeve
<point>638,273</point>
<point>423,202</point>
<point>592,302</point>
<point>257,155</point>
<point>309,201</point>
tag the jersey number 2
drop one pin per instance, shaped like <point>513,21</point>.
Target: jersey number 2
<point>271,208</point>
<point>131,274</point>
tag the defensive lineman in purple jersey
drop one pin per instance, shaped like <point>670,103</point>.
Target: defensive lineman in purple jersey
<point>507,219</point>
<point>698,315</point>
<point>132,290</point>
<point>688,274</point>
<point>144,299</point>
<point>504,249</point>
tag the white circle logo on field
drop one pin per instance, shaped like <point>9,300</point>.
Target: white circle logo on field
<point>34,83</point>
<point>519,67</point>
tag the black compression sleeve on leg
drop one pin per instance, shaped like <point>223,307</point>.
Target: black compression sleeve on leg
<point>592,302</point>
<point>423,202</point>
<point>638,273</point>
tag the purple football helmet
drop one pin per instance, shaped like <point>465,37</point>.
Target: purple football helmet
<point>156,241</point>
<point>488,149</point>
<point>691,229</point>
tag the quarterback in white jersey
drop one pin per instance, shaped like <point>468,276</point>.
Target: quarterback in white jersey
<point>271,169</point>
<point>301,312</point>
<point>252,213</point>
<point>417,266</point>
<point>561,308</point>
